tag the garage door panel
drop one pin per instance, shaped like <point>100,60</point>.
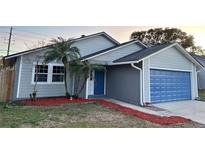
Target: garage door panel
<point>169,85</point>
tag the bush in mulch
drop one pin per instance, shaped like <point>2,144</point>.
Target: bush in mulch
<point>162,120</point>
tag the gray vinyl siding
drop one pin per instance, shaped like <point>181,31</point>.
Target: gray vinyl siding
<point>201,74</point>
<point>171,59</point>
<point>201,80</point>
<point>118,53</point>
<point>123,83</point>
<point>26,86</point>
<point>93,44</point>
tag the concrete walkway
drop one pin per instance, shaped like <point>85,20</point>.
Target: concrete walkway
<point>139,108</point>
<point>194,110</point>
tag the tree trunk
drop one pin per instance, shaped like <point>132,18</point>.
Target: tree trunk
<point>65,81</point>
<point>76,85</point>
<point>82,86</point>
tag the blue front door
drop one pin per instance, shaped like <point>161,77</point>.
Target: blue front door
<point>99,83</point>
<point>167,86</point>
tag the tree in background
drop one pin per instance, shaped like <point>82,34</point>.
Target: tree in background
<point>159,36</point>
<point>62,50</point>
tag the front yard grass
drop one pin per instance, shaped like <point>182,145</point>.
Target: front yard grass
<point>73,115</point>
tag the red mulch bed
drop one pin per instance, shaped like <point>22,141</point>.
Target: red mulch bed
<point>53,101</point>
<point>162,120</point>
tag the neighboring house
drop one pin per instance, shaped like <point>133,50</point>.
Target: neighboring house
<point>201,73</point>
<point>135,73</point>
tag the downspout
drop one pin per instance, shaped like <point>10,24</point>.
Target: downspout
<point>141,86</point>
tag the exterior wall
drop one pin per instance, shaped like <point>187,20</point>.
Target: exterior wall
<point>25,67</point>
<point>93,44</point>
<point>118,53</point>
<point>201,74</point>
<point>25,85</point>
<point>201,80</point>
<point>123,83</point>
<point>169,59</point>
<point>83,92</point>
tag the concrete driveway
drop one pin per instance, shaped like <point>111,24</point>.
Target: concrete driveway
<point>194,110</point>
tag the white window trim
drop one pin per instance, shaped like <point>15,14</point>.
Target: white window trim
<point>50,74</point>
<point>56,74</point>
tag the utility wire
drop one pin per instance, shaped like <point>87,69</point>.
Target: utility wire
<point>40,34</point>
<point>29,35</point>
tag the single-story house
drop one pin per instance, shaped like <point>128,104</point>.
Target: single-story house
<point>201,73</point>
<point>135,73</point>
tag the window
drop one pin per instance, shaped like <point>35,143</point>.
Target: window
<point>58,74</point>
<point>41,73</point>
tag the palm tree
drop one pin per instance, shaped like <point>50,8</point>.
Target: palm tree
<point>62,50</point>
<point>82,70</point>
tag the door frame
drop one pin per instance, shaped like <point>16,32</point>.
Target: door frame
<point>90,84</point>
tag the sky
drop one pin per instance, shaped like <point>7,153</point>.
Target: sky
<point>27,37</point>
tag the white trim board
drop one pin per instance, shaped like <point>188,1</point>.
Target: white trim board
<point>19,77</point>
<point>170,69</point>
<point>86,89</point>
<point>143,86</point>
<point>149,91</point>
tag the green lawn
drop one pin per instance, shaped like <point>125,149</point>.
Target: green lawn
<point>72,115</point>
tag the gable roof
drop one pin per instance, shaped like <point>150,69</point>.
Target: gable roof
<point>95,54</point>
<point>144,53</point>
<point>136,56</point>
<point>76,39</point>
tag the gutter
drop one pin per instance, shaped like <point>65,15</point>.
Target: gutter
<point>141,85</point>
